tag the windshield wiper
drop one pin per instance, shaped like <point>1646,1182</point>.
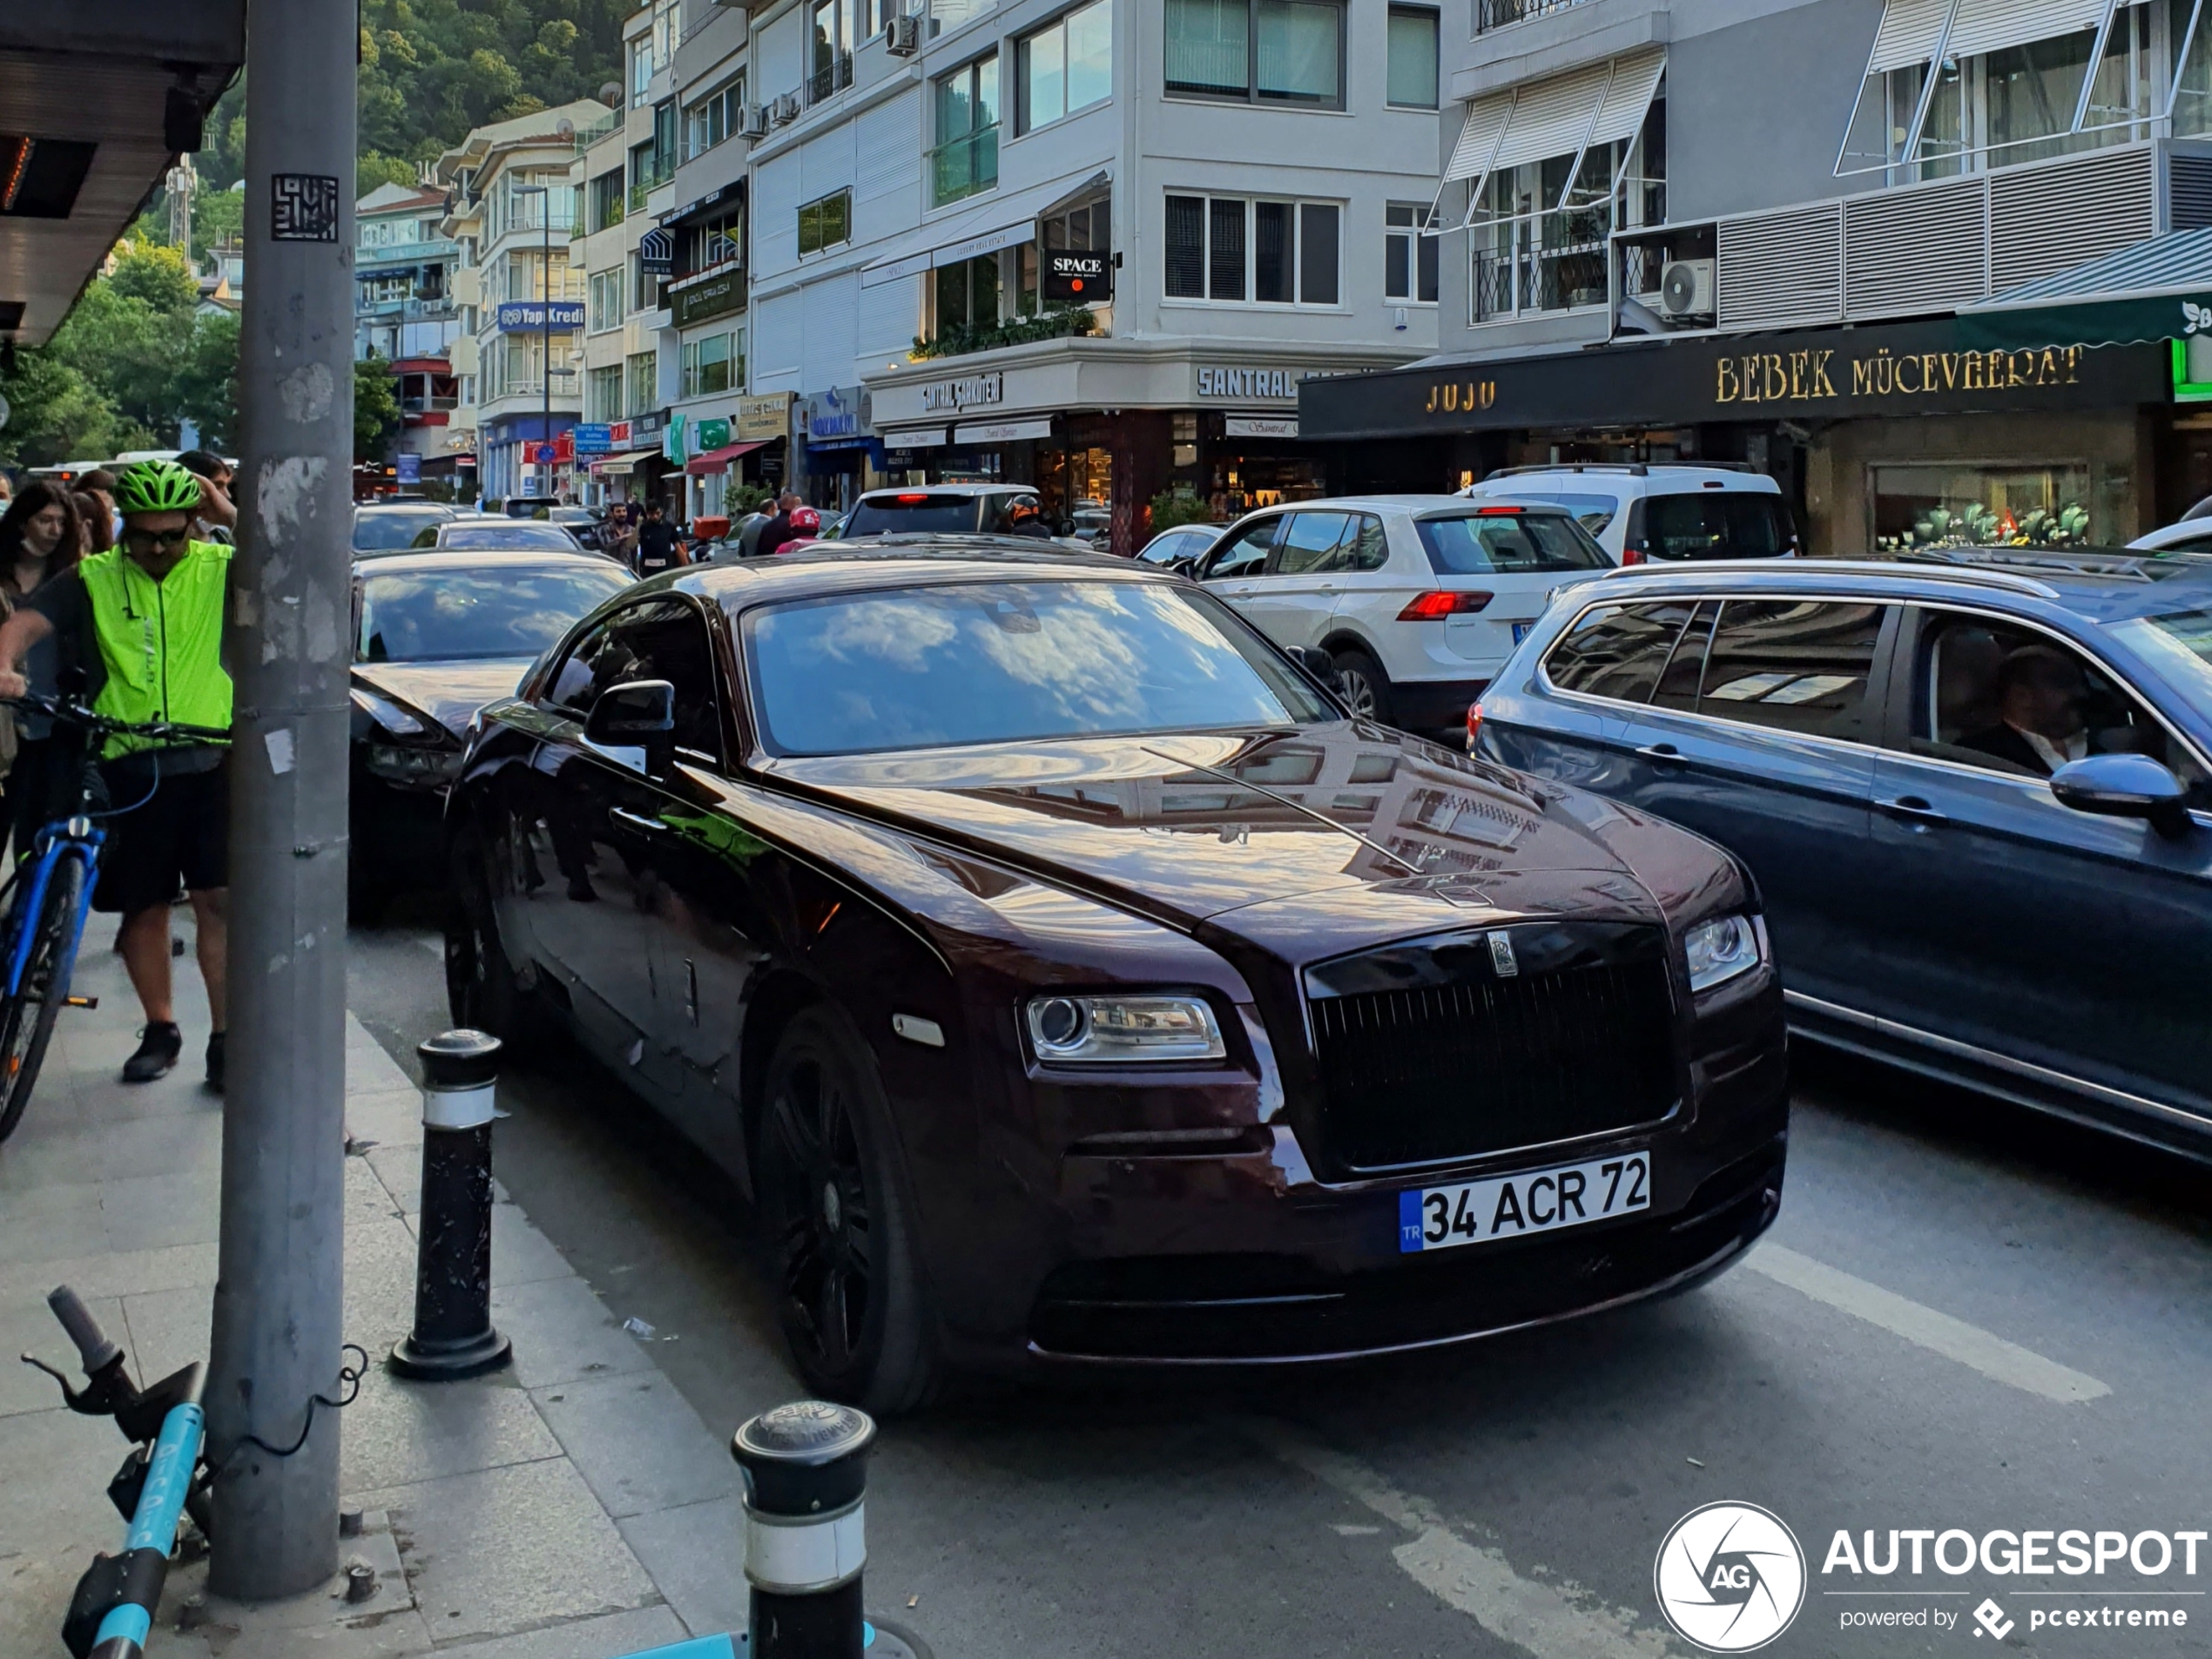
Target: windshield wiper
<point>1296,805</point>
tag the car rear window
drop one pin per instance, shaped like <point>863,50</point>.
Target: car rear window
<point>1496,543</point>
<point>1593,512</point>
<point>493,536</point>
<point>920,512</point>
<point>388,532</point>
<point>1004,662</point>
<point>1717,524</point>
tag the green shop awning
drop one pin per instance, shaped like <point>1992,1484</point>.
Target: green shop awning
<point>2159,289</point>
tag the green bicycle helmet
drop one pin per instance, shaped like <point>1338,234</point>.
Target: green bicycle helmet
<point>155,487</point>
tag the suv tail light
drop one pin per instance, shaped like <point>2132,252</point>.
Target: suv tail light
<point>1631,556</point>
<point>1474,724</point>
<point>1434,607</point>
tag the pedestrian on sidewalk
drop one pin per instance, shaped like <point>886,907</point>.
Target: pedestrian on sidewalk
<point>144,622</point>
<point>658,548</point>
<point>778,530</point>
<point>217,512</point>
<point>40,537</point>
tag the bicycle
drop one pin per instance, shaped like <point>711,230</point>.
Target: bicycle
<point>51,894</point>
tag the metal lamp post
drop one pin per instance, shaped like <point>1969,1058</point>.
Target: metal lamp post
<point>545,314</point>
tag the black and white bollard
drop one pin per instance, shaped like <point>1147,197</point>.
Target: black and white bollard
<point>805,1538</point>
<point>453,1335</point>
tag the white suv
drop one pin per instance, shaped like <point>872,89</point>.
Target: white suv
<point>1652,512</point>
<point>1419,599</point>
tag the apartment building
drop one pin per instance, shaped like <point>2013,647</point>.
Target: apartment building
<point>405,314</point>
<point>1826,239</point>
<point>518,356</point>
<point>1092,247</point>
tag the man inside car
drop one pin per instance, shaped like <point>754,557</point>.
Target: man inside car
<point>2040,696</point>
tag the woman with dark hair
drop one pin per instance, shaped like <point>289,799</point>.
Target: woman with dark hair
<point>40,537</point>
<point>98,528</point>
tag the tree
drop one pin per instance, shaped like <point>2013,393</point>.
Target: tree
<point>205,390</point>
<point>57,415</point>
<point>376,408</point>
<point>160,276</point>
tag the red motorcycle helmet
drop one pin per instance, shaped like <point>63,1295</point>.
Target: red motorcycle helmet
<point>806,519</point>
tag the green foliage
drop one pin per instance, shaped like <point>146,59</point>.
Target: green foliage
<point>160,277</point>
<point>217,216</point>
<point>1178,507</point>
<point>204,389</point>
<point>56,414</point>
<point>376,408</point>
<point>1055,324</point>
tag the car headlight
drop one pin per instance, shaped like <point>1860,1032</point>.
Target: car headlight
<point>402,765</point>
<point>1722,948</point>
<point>1081,1030</point>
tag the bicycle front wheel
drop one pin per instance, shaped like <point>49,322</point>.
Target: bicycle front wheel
<point>27,1020</point>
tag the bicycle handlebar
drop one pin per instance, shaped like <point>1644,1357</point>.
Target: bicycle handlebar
<point>92,1344</point>
<point>71,712</point>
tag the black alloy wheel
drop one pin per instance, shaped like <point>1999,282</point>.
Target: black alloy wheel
<point>835,1223</point>
<point>1364,686</point>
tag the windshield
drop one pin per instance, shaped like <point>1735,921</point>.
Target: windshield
<point>2179,644</point>
<point>1717,524</point>
<point>1002,662</point>
<point>1502,542</point>
<point>1593,512</point>
<point>386,531</point>
<point>456,616</point>
<point>498,535</point>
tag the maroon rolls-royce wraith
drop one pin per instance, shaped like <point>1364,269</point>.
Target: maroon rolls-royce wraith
<point>1068,978</point>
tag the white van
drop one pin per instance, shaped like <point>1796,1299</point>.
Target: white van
<point>1650,512</point>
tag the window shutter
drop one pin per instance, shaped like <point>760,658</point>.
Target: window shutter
<point>1636,82</point>
<point>1908,34</point>
<point>1485,123</point>
<point>1992,25</point>
<point>1551,117</point>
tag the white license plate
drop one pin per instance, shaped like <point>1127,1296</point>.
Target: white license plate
<point>1529,1201</point>
<point>1520,631</point>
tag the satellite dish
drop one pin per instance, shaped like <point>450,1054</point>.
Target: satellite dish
<point>564,128</point>
<point>611,94</point>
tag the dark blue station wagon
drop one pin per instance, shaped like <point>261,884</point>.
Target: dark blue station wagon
<point>1976,794</point>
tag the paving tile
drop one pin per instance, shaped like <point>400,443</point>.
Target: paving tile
<point>54,1468</point>
<point>168,1328</point>
<point>519,1252</point>
<point>31,1328</point>
<point>399,1433</point>
<point>697,1557</point>
<point>115,1273</point>
<point>559,1555</point>
<point>387,1117</point>
<point>79,1154</point>
<point>564,1332</point>
<point>154,1211</point>
<point>400,1169</point>
<point>601,1638</point>
<point>639,1442</point>
<point>51,1223</point>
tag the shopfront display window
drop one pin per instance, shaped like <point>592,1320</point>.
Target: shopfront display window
<point>1243,483</point>
<point>1995,503</point>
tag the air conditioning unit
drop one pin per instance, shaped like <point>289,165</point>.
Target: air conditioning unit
<point>752,122</point>
<point>902,37</point>
<point>785,109</point>
<point>1686,288</point>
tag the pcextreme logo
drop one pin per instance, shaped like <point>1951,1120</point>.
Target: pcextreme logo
<point>1730,1577</point>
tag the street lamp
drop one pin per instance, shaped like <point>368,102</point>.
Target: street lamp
<point>545,312</point>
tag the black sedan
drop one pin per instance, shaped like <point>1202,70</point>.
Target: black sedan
<point>436,636</point>
<point>1070,980</point>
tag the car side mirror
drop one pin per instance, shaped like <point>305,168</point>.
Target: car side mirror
<point>637,714</point>
<point>1318,663</point>
<point>2125,785</point>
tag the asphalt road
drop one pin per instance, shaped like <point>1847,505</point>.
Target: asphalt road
<point>1967,1317</point>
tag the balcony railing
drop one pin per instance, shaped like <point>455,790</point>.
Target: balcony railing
<point>1520,281</point>
<point>1061,322</point>
<point>964,165</point>
<point>830,79</point>
<point>1496,14</point>
<point>605,125</point>
<point>645,187</point>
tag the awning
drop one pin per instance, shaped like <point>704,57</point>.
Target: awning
<point>1000,223</point>
<point>1911,31</point>
<point>2159,289</point>
<point>719,459</point>
<point>1981,26</point>
<point>626,461</point>
<point>1560,116</point>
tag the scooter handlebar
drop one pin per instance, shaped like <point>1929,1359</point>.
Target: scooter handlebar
<point>92,1344</point>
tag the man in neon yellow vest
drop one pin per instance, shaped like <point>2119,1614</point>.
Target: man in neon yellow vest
<point>143,621</point>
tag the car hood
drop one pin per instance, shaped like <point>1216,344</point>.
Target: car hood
<point>1289,838</point>
<point>449,693</point>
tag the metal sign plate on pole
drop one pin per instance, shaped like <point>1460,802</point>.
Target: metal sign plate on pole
<point>277,1301</point>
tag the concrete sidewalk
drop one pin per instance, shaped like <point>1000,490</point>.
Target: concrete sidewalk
<point>573,1507</point>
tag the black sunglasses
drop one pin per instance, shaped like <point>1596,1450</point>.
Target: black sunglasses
<point>157,538</point>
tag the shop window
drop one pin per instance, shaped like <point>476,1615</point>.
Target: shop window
<point>1275,253</point>
<point>1413,58</point>
<point>825,222</point>
<point>719,240</point>
<point>1066,66</point>
<point>1085,228</point>
<point>1965,504</point>
<point>2028,100</point>
<point>1264,51</point>
<point>966,159</point>
<point>1409,257</point>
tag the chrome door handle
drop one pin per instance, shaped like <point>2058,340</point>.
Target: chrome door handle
<point>637,821</point>
<point>1913,808</point>
<point>1660,751</point>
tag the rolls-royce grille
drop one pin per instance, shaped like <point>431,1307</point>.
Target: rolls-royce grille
<point>1422,1073</point>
